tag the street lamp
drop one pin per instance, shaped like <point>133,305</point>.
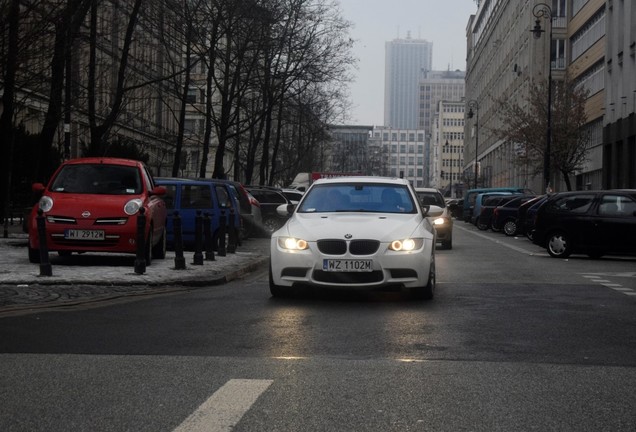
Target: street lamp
<point>446,146</point>
<point>542,10</point>
<point>474,104</point>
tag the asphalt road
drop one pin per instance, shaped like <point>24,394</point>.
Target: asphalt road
<point>514,340</point>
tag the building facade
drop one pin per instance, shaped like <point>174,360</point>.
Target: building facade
<point>405,62</point>
<point>434,87</point>
<point>399,153</point>
<point>619,124</point>
<point>447,155</point>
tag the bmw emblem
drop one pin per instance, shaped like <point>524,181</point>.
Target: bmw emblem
<point>348,236</point>
<point>86,214</point>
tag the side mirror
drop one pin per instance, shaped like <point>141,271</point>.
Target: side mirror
<point>285,210</point>
<point>37,188</point>
<point>433,211</point>
<point>159,191</point>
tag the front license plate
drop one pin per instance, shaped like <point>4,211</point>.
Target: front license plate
<point>72,234</point>
<point>337,265</point>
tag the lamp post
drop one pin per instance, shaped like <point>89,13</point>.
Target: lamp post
<point>542,10</point>
<point>474,104</point>
<point>449,149</point>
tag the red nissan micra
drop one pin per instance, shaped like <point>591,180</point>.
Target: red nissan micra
<point>92,204</point>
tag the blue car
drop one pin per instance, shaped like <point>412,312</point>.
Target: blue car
<point>187,196</point>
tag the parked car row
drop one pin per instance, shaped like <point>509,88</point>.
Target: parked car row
<point>594,223</point>
<point>93,204</point>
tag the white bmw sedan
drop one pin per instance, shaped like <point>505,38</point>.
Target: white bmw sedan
<point>356,233</point>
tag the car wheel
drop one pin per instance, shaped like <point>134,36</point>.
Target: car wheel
<point>34,256</point>
<point>148,250</point>
<point>510,228</point>
<point>276,290</point>
<point>427,292</point>
<point>530,234</point>
<point>494,228</point>
<point>481,226</point>
<point>559,245</point>
<point>270,225</point>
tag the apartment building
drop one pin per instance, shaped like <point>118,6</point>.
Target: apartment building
<point>447,155</point>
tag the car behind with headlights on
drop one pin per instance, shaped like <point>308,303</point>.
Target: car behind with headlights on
<point>443,223</point>
<point>356,233</point>
<point>92,205</point>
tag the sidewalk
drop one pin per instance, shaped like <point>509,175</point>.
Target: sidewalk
<point>83,278</point>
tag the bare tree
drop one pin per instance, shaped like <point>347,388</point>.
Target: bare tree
<point>525,125</point>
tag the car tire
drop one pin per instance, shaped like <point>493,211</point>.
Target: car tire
<point>276,290</point>
<point>510,227</point>
<point>148,248</point>
<point>34,255</point>
<point>270,225</point>
<point>481,226</point>
<point>530,234</point>
<point>159,250</point>
<point>559,245</point>
<point>427,292</point>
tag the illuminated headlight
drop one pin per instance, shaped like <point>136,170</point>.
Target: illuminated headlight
<point>133,206</point>
<point>439,221</point>
<point>406,244</point>
<point>291,243</point>
<point>46,203</point>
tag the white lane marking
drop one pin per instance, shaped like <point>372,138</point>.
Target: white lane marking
<point>223,410</point>
<point>515,248</point>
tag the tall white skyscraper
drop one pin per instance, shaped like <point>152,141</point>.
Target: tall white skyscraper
<point>405,62</point>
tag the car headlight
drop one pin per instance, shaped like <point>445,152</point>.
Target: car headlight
<point>46,203</point>
<point>291,243</point>
<point>439,221</point>
<point>133,206</point>
<point>406,244</point>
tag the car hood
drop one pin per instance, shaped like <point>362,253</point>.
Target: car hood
<point>383,227</point>
<point>74,205</point>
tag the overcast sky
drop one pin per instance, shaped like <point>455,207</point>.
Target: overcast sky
<point>375,22</point>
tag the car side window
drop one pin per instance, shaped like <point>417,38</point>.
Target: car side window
<point>168,198</point>
<point>616,205</point>
<point>578,204</point>
<point>196,196</point>
<point>223,197</point>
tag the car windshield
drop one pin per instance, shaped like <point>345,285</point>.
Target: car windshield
<point>358,197</point>
<point>98,179</point>
<point>430,198</point>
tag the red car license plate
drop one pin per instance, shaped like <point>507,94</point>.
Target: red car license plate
<point>72,234</point>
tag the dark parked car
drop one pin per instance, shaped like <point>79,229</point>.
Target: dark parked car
<point>250,219</point>
<point>527,213</point>
<point>187,196</point>
<point>591,222</point>
<point>486,213</point>
<point>270,199</point>
<point>505,216</point>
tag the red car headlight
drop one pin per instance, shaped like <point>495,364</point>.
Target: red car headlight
<point>46,203</point>
<point>133,206</point>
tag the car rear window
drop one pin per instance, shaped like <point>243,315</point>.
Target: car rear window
<point>431,198</point>
<point>100,179</point>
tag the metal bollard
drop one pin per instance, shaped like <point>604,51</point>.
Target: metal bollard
<point>222,231</point>
<point>140,259</point>
<point>198,239</point>
<point>232,237</point>
<point>209,241</point>
<point>45,265</point>
<point>179,260</point>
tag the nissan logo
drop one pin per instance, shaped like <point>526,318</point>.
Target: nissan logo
<point>86,214</point>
